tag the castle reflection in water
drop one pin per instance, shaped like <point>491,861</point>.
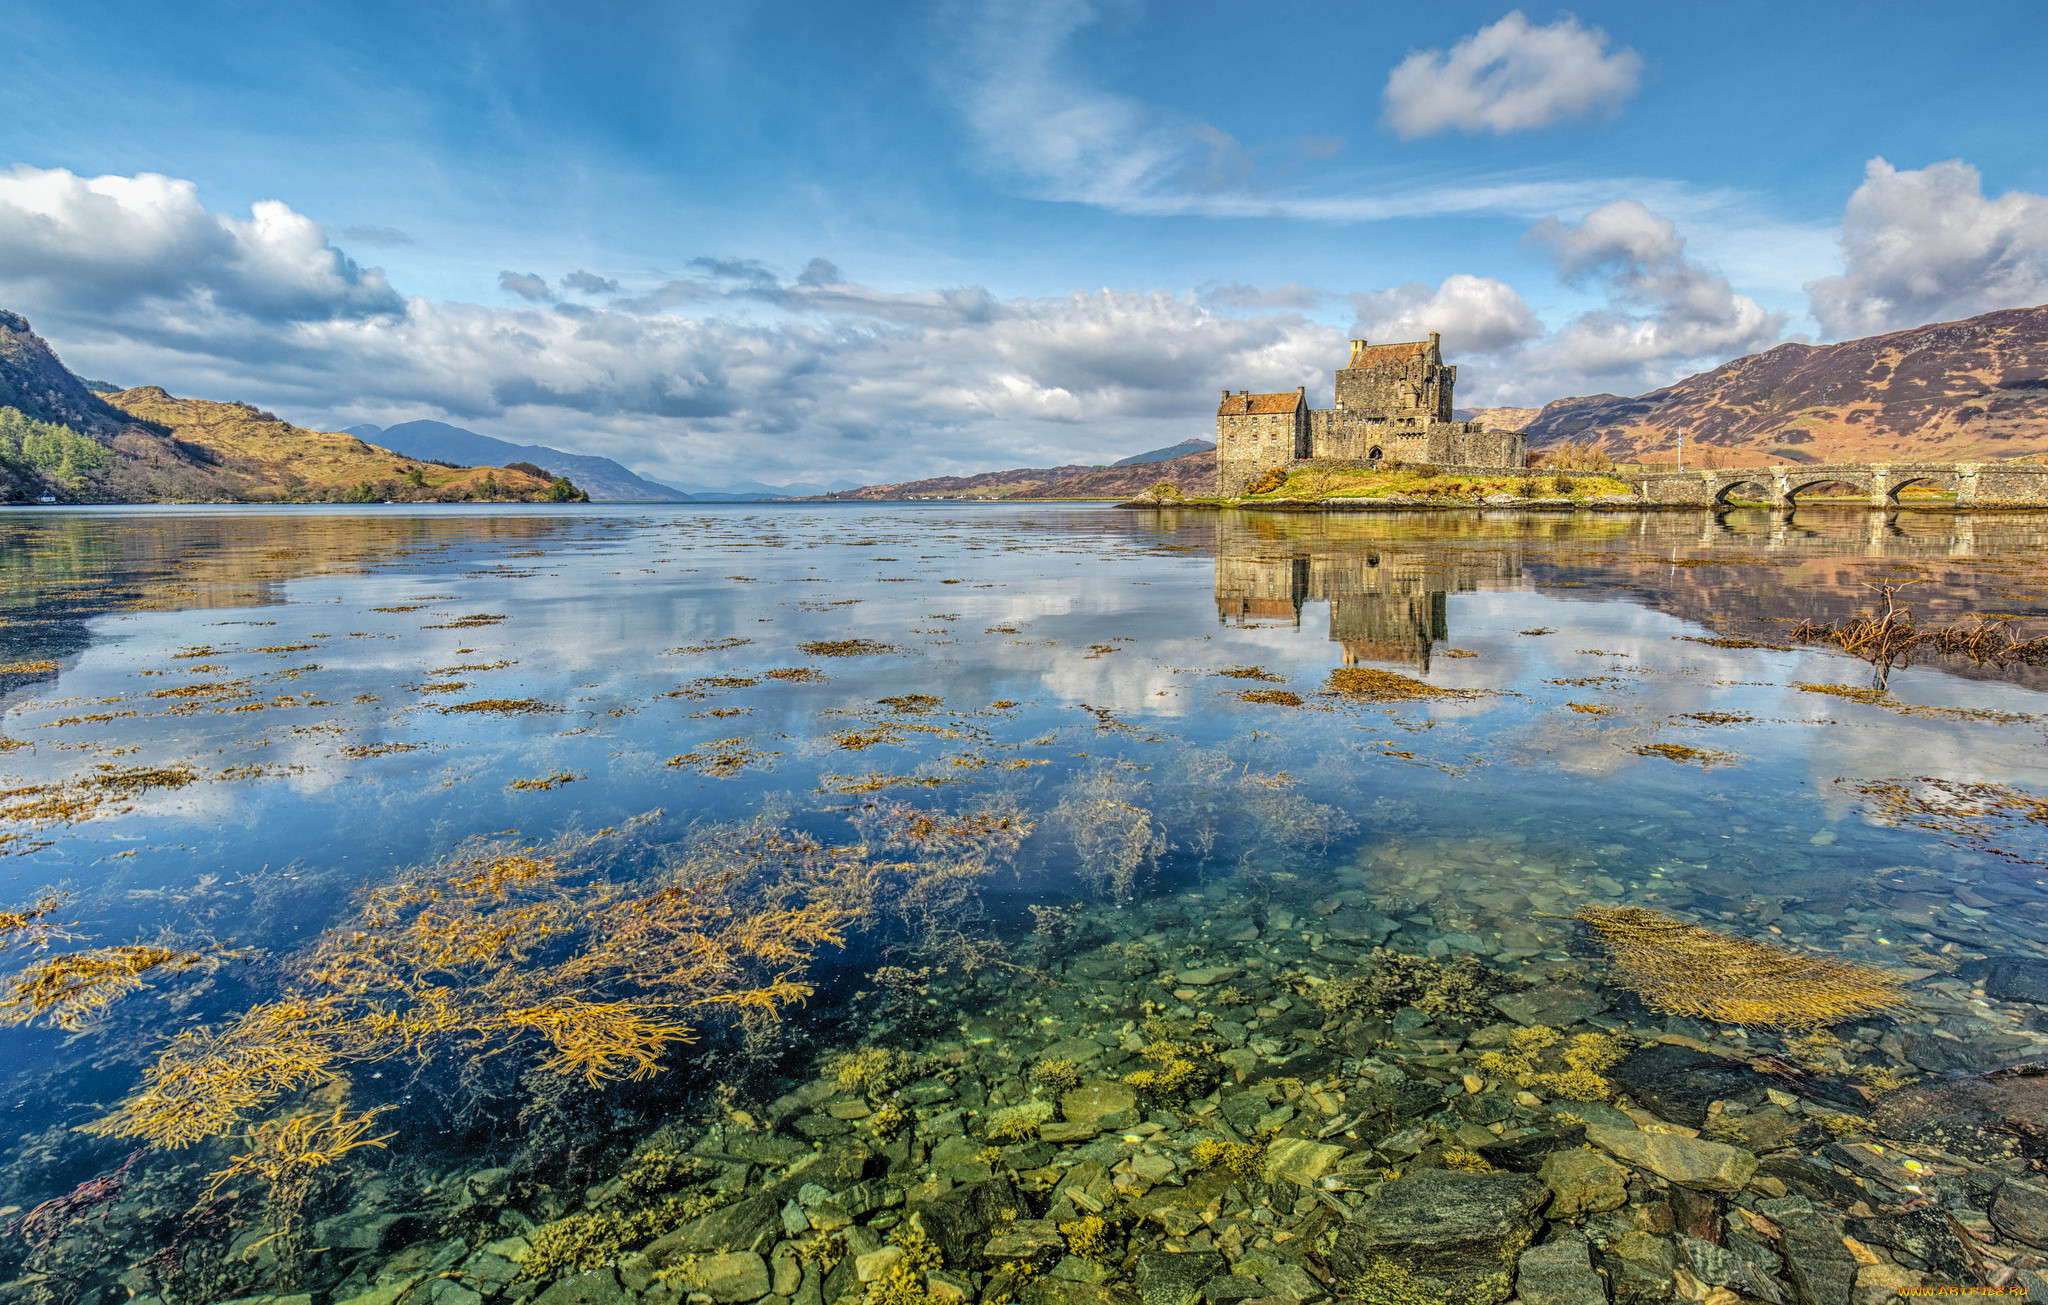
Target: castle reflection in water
<point>1386,604</point>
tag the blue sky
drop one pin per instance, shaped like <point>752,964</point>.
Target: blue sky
<point>811,240</point>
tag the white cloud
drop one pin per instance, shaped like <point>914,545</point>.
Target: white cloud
<point>114,240</point>
<point>1927,246</point>
<point>821,376</point>
<point>533,289</point>
<point>1046,131</point>
<point>1665,316</point>
<point>1475,314</point>
<point>1509,77</point>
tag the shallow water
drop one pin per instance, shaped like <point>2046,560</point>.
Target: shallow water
<point>250,718</point>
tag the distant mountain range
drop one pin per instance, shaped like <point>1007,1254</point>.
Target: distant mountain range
<point>1193,472</point>
<point>1974,390</point>
<point>1167,454</point>
<point>602,478</point>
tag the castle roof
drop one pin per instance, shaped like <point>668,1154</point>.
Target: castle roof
<point>1384,355</point>
<point>1255,405</point>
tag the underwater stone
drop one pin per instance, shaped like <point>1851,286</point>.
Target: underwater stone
<point>945,1288</point>
<point>1066,1134</point>
<point>361,1232</point>
<point>1075,1269</point>
<point>750,1225</point>
<point>599,1287</point>
<point>1102,1103</point>
<point>1301,1161</point>
<point>958,1221</point>
<point>732,1278</point>
<point>1242,1062</point>
<point>877,1264</point>
<point>1687,1161</point>
<point>2011,978</point>
<point>1462,1233</point>
<point>1291,1282</point>
<point>1167,1278</point>
<point>1556,1006</point>
<point>1026,1240</point>
<point>1820,1266</point>
<point>1583,1182</point>
<point>1064,1291</point>
<point>1678,1083</point>
<point>1078,1050</point>
<point>1209,976</point>
<point>1231,1288</point>
<point>1559,1273</point>
<point>2020,1211</point>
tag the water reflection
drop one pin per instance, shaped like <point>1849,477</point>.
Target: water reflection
<point>1386,604</point>
<point>272,713</point>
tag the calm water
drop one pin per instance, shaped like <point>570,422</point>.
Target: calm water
<point>293,672</point>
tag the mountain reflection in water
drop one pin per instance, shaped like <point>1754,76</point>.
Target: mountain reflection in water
<point>1070,751</point>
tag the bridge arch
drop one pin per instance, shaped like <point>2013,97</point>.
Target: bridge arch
<point>1934,479</point>
<point>1792,491</point>
<point>1753,489</point>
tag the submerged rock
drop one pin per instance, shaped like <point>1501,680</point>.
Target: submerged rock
<point>1583,1182</point>
<point>1169,1278</point>
<point>1687,1161</point>
<point>1102,1104</point>
<point>599,1287</point>
<point>1678,1083</point>
<point>958,1221</point>
<point>1559,1272</point>
<point>1459,1234</point>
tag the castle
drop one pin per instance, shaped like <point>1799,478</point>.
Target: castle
<point>1393,405</point>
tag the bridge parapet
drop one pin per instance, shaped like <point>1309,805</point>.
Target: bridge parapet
<point>1975,484</point>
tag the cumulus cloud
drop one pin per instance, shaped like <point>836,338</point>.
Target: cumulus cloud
<point>589,283</point>
<point>1927,246</point>
<point>1510,76</point>
<point>1665,313</point>
<point>526,285</point>
<point>1475,314</point>
<point>825,376</point>
<point>105,241</point>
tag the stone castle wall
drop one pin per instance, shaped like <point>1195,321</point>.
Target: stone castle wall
<point>1393,405</point>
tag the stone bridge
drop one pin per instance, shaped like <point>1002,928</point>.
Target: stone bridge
<point>1975,484</point>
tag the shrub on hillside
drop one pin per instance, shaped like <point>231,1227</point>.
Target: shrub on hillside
<point>1574,455</point>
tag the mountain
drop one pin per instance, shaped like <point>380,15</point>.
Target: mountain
<point>753,491</point>
<point>601,478</point>
<point>61,439</point>
<point>41,388</point>
<point>262,458</point>
<point>1974,390</point>
<point>1179,450</point>
<point>1498,418</point>
<point>1195,473</point>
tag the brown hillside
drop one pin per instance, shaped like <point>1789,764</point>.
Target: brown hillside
<point>1195,473</point>
<point>1499,418</point>
<point>1975,390</point>
<point>257,457</point>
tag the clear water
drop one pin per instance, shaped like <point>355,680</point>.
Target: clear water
<point>1073,654</point>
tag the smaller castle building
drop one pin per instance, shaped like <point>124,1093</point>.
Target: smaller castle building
<point>1393,404</point>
